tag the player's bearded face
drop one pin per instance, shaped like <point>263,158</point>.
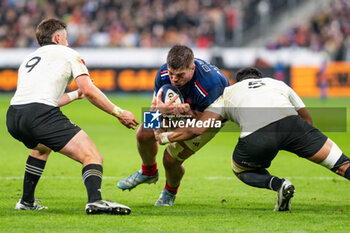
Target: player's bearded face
<point>180,77</point>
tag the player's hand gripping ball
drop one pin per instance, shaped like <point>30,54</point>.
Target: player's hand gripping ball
<point>168,93</point>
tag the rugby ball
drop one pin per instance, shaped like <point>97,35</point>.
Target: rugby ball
<point>169,92</point>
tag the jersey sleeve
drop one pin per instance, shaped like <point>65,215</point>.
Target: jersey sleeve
<point>218,107</point>
<point>162,77</point>
<point>157,82</point>
<point>78,65</point>
<point>295,99</point>
<point>213,93</point>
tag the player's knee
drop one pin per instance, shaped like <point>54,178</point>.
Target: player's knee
<point>236,169</point>
<point>100,159</point>
<point>144,135</point>
<point>41,152</point>
<point>336,161</point>
<point>179,152</point>
<point>333,159</point>
<point>90,154</point>
<point>94,158</point>
<point>169,161</point>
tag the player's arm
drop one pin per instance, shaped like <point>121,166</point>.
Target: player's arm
<point>95,96</point>
<point>182,134</point>
<point>185,109</point>
<point>154,102</point>
<point>215,111</point>
<point>299,106</point>
<point>304,113</point>
<point>69,97</point>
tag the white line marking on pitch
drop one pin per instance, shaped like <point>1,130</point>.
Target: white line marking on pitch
<point>206,178</point>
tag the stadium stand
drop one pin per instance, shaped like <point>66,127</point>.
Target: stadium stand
<point>328,30</point>
<point>137,23</point>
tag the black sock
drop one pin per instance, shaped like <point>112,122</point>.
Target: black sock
<point>275,183</point>
<point>260,179</point>
<point>34,169</point>
<point>92,177</point>
<point>347,173</point>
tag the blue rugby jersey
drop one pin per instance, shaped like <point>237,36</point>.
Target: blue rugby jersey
<point>206,85</point>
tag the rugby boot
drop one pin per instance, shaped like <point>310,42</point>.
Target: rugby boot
<point>107,207</point>
<point>135,179</point>
<point>22,205</point>
<point>284,196</point>
<point>166,198</point>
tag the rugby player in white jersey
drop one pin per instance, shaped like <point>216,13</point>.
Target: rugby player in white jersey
<point>271,117</point>
<point>34,116</point>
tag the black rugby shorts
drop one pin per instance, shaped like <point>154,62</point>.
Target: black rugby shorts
<point>40,123</point>
<point>291,133</point>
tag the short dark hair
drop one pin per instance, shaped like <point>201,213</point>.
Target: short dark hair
<point>179,57</point>
<point>47,28</point>
<point>247,73</point>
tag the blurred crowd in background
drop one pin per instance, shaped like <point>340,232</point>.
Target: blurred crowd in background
<point>162,23</point>
<point>328,30</point>
<point>138,23</point>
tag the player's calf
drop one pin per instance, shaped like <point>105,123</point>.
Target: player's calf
<point>147,145</point>
<point>261,178</point>
<point>33,171</point>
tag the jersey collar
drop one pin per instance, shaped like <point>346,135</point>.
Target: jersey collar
<point>49,43</point>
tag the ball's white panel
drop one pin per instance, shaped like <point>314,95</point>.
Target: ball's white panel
<point>171,94</point>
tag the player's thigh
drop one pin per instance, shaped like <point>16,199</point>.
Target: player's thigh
<point>47,125</point>
<point>256,150</point>
<point>304,139</point>
<point>81,148</point>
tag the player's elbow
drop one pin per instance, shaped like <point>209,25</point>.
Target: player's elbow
<point>304,113</point>
<point>308,120</point>
<point>89,91</point>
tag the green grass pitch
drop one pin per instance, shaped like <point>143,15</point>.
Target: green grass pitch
<point>210,198</point>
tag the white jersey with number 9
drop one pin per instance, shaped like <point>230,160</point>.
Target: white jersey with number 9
<point>44,75</point>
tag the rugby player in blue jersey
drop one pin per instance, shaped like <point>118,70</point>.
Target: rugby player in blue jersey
<point>200,84</point>
<point>271,117</point>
